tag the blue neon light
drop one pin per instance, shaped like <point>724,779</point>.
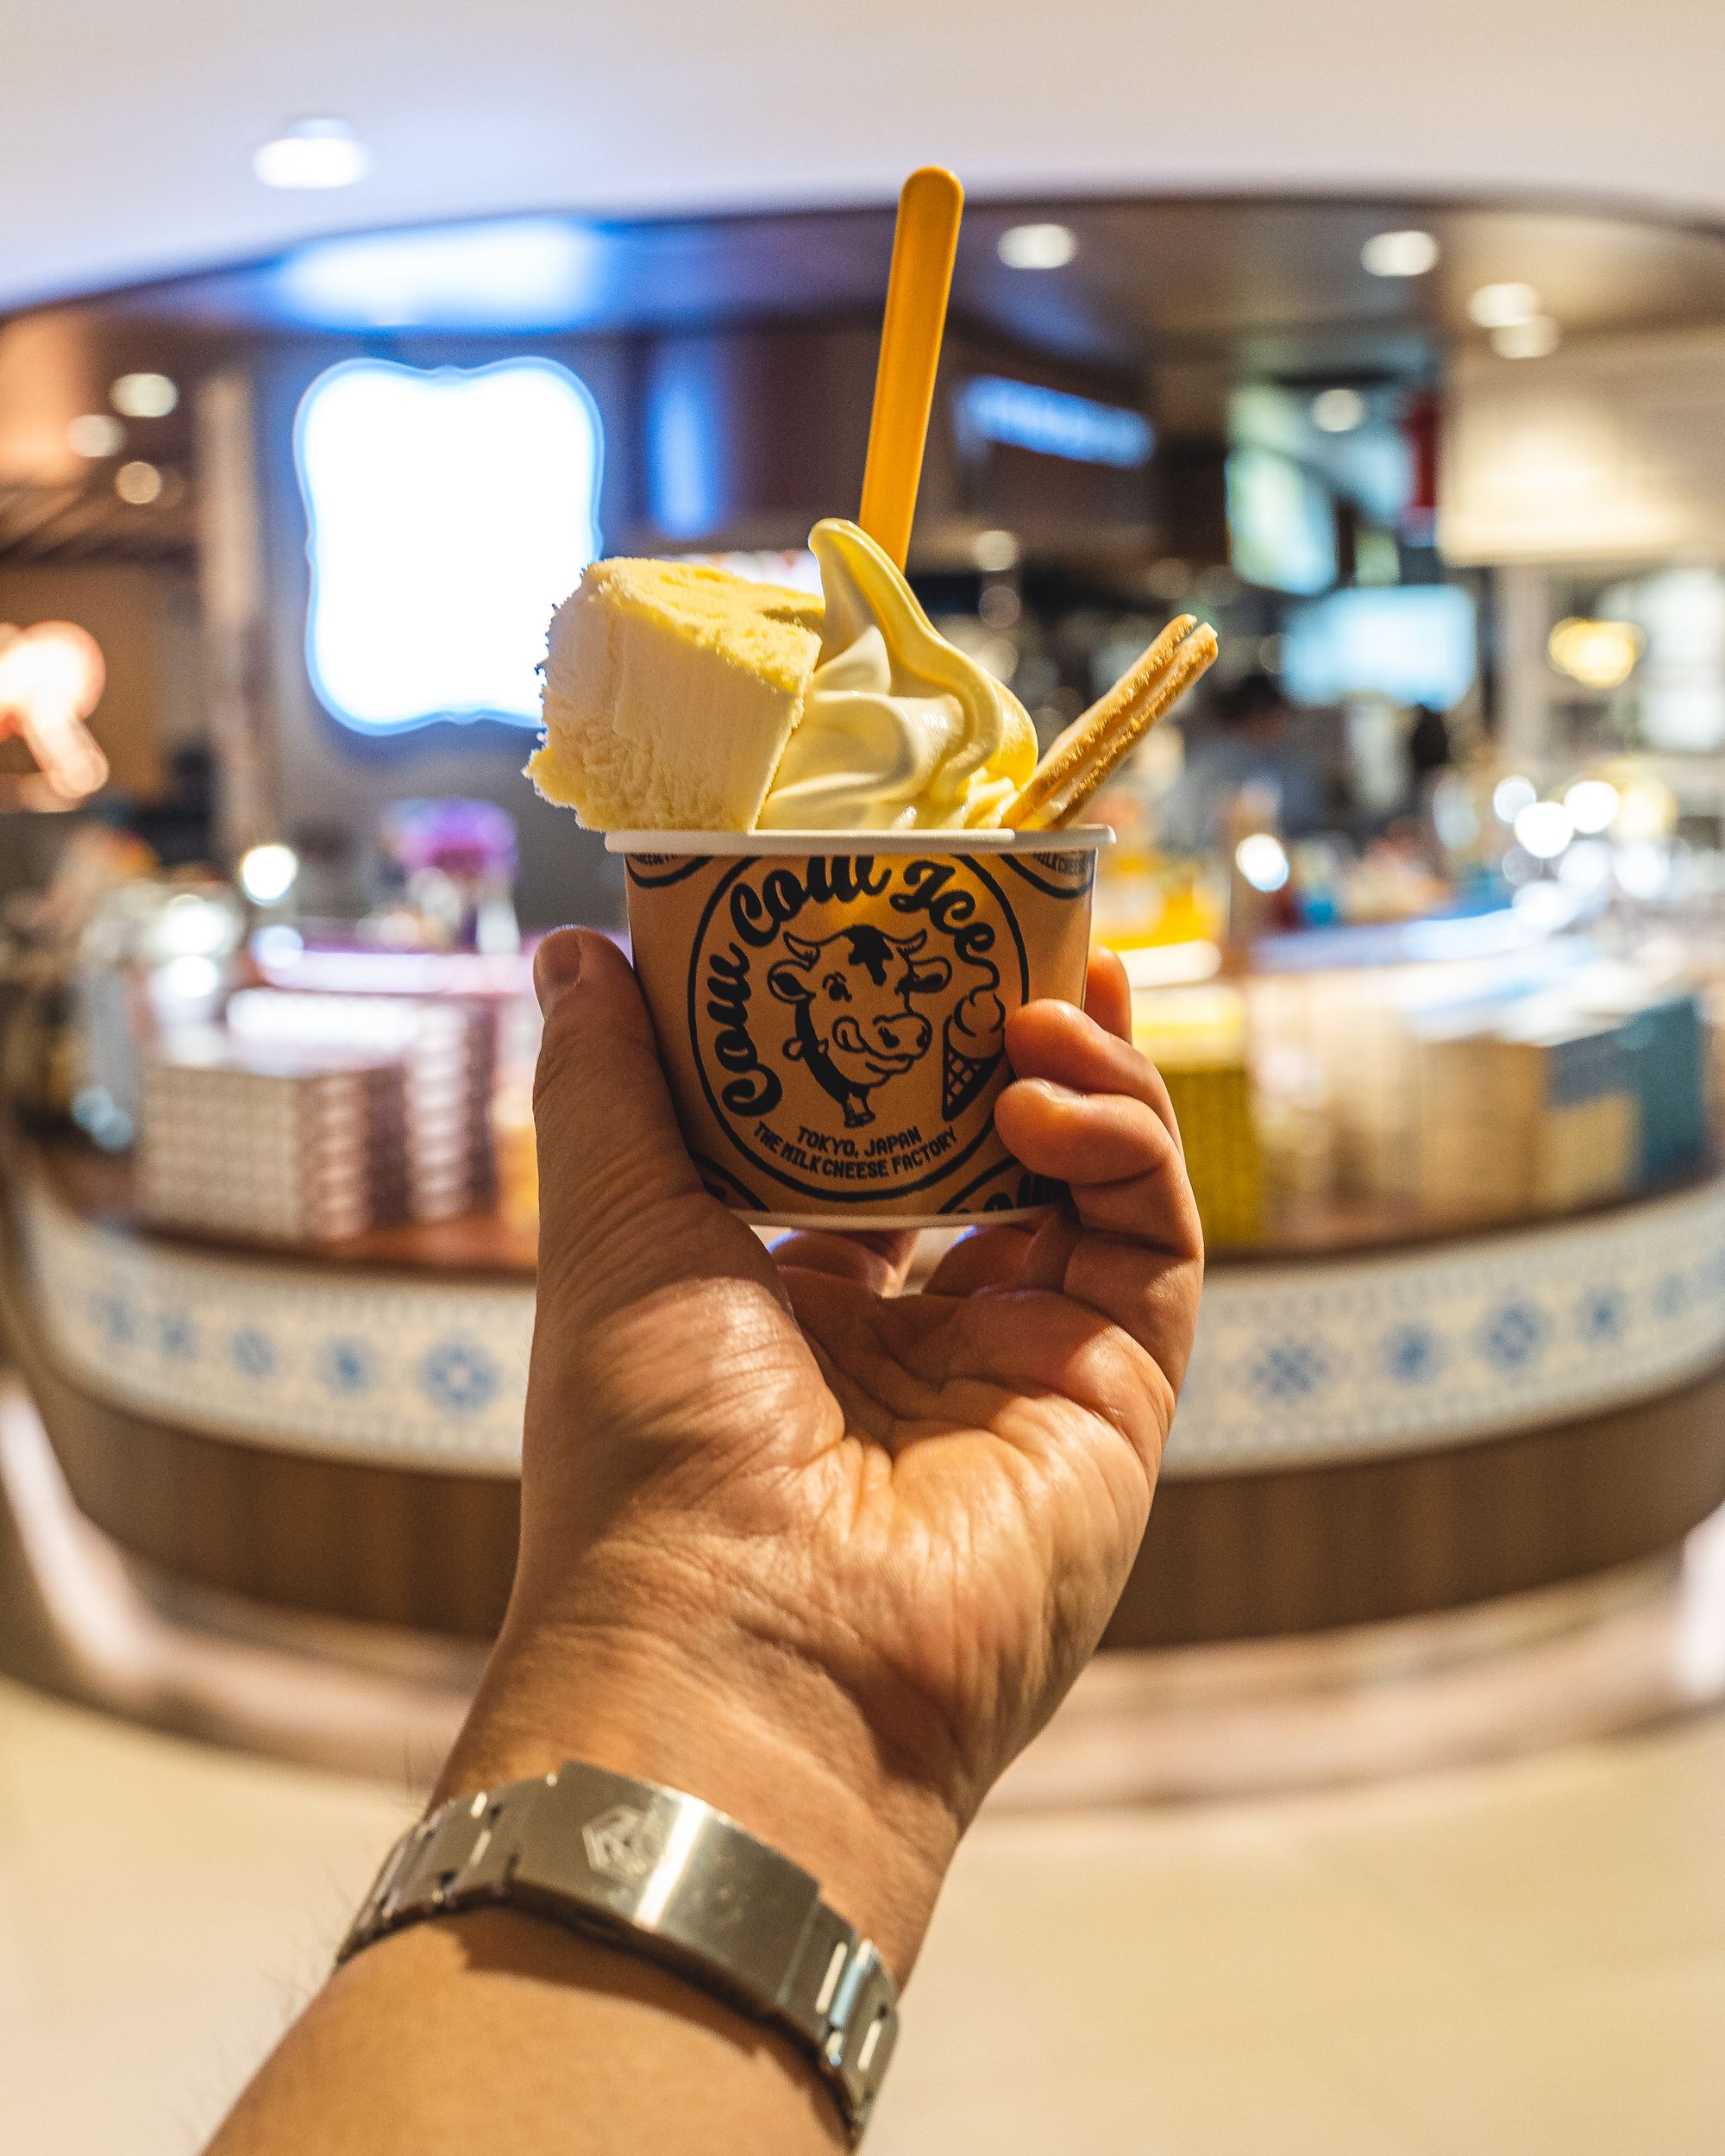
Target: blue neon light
<point>507,273</point>
<point>684,481</point>
<point>1052,422</point>
<point>449,512</point>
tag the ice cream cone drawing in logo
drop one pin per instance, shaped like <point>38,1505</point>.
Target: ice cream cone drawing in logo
<point>973,1041</point>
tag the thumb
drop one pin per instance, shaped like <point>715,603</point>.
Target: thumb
<point>611,1156</point>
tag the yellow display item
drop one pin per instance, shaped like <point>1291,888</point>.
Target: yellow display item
<point>1196,1038</point>
<point>1213,1105</point>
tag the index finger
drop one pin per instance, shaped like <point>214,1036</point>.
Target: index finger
<point>1107,993</point>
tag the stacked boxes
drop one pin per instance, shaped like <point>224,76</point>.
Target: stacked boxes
<point>1348,1030</point>
<point>1667,1047</point>
<point>309,1117</point>
<point>288,1143</point>
<point>446,1052</point>
<point>1560,1105</point>
<point>1529,1118</point>
<point>1530,1082</point>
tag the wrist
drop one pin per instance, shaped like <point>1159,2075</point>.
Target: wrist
<point>790,1761</point>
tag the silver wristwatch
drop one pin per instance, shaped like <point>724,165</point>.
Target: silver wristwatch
<point>650,1868</point>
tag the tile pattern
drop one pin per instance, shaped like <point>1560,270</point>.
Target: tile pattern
<point>1295,1363</point>
<point>1359,1358</point>
<point>386,1367</point>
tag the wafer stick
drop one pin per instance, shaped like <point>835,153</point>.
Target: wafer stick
<point>1093,746</point>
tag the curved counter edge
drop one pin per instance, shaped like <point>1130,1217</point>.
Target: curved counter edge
<point>1298,1365</point>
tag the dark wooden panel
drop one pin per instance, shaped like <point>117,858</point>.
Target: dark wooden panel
<point>1302,1549</point>
<point>395,1546</point>
<point>1238,1556</point>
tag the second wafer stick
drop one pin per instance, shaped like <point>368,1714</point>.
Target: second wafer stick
<point>1093,748</point>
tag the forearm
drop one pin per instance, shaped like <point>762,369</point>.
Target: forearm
<point>773,1743</point>
<point>502,2032</point>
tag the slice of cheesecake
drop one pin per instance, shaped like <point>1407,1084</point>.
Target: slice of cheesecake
<point>670,692</point>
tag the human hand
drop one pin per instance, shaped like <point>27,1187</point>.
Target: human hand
<point>823,1553</point>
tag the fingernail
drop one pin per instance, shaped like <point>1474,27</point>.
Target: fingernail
<point>556,968</point>
<point>1062,1096</point>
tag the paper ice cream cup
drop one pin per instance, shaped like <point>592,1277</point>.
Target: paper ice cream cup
<point>830,1009</point>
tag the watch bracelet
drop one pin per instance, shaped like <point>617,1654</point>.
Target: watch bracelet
<point>639,1865</point>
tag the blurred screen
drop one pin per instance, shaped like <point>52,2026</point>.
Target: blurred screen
<point>1417,643</point>
<point>1281,524</point>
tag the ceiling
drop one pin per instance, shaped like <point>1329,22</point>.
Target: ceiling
<point>1176,298</point>
<point>129,131</point>
<point>1266,286</point>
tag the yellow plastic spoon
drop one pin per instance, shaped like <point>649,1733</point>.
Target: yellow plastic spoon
<point>924,242</point>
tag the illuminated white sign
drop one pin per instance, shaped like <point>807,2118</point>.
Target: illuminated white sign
<point>1052,422</point>
<point>450,513</point>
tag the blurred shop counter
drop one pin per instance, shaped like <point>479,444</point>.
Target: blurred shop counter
<point>1463,1335</point>
<point>1365,1433</point>
<point>1381,1083</point>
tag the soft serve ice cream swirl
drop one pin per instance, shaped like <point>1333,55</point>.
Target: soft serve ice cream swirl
<point>899,730</point>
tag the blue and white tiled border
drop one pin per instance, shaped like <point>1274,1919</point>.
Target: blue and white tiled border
<point>1296,1364</point>
<point>1414,1350</point>
<point>403,1368</point>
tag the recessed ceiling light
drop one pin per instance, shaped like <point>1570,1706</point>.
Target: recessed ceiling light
<point>312,154</point>
<point>1037,247</point>
<point>143,396</point>
<point>1502,306</point>
<point>138,483</point>
<point>1531,339</point>
<point>95,435</point>
<point>1338,410</point>
<point>1406,253</point>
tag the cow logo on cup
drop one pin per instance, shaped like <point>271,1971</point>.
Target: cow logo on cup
<point>854,1023</point>
<point>848,1018</point>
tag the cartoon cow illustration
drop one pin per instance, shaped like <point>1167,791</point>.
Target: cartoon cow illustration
<point>855,1024</point>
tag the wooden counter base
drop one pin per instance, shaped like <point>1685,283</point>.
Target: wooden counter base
<point>394,1545</point>
<point>1244,1557</point>
<point>1238,1548</point>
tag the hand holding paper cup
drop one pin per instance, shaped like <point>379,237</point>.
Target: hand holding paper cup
<point>832,1021</point>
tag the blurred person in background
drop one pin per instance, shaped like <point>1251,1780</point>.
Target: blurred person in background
<point>1249,739</point>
